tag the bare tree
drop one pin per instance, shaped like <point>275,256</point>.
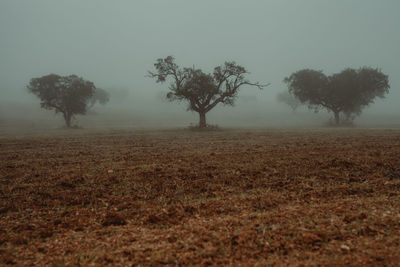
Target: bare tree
<point>202,91</point>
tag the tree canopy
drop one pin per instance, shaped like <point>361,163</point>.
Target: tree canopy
<point>69,95</point>
<point>345,93</point>
<point>200,90</point>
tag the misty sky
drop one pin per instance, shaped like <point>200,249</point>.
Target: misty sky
<point>114,43</point>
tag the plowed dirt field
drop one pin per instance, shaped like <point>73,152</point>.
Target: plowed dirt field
<point>176,197</point>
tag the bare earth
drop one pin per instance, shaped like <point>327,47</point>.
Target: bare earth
<point>176,197</point>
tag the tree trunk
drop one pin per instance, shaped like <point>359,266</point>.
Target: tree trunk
<point>337,117</point>
<point>202,120</point>
<point>67,118</point>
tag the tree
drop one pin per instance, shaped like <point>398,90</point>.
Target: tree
<point>100,96</point>
<point>200,90</point>
<point>288,99</point>
<point>68,95</point>
<point>344,94</point>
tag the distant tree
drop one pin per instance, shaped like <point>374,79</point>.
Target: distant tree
<point>120,95</point>
<point>100,96</point>
<point>68,95</point>
<point>200,90</point>
<point>288,99</point>
<point>344,94</point>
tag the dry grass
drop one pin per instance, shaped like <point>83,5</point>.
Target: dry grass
<point>304,197</point>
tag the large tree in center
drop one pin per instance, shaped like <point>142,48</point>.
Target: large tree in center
<point>344,94</point>
<point>202,91</point>
<point>69,95</point>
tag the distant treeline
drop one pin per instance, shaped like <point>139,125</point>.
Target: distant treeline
<point>345,94</point>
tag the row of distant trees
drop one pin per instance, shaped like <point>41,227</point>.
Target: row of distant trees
<point>344,94</point>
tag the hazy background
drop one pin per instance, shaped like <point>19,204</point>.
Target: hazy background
<point>114,43</point>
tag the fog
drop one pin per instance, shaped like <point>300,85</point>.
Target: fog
<point>115,43</point>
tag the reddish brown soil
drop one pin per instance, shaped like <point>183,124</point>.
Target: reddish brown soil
<point>300,197</point>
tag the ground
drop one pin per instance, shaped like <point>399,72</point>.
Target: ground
<point>176,197</point>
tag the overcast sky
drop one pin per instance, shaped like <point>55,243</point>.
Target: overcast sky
<point>114,43</point>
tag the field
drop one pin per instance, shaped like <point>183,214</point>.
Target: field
<point>177,197</point>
